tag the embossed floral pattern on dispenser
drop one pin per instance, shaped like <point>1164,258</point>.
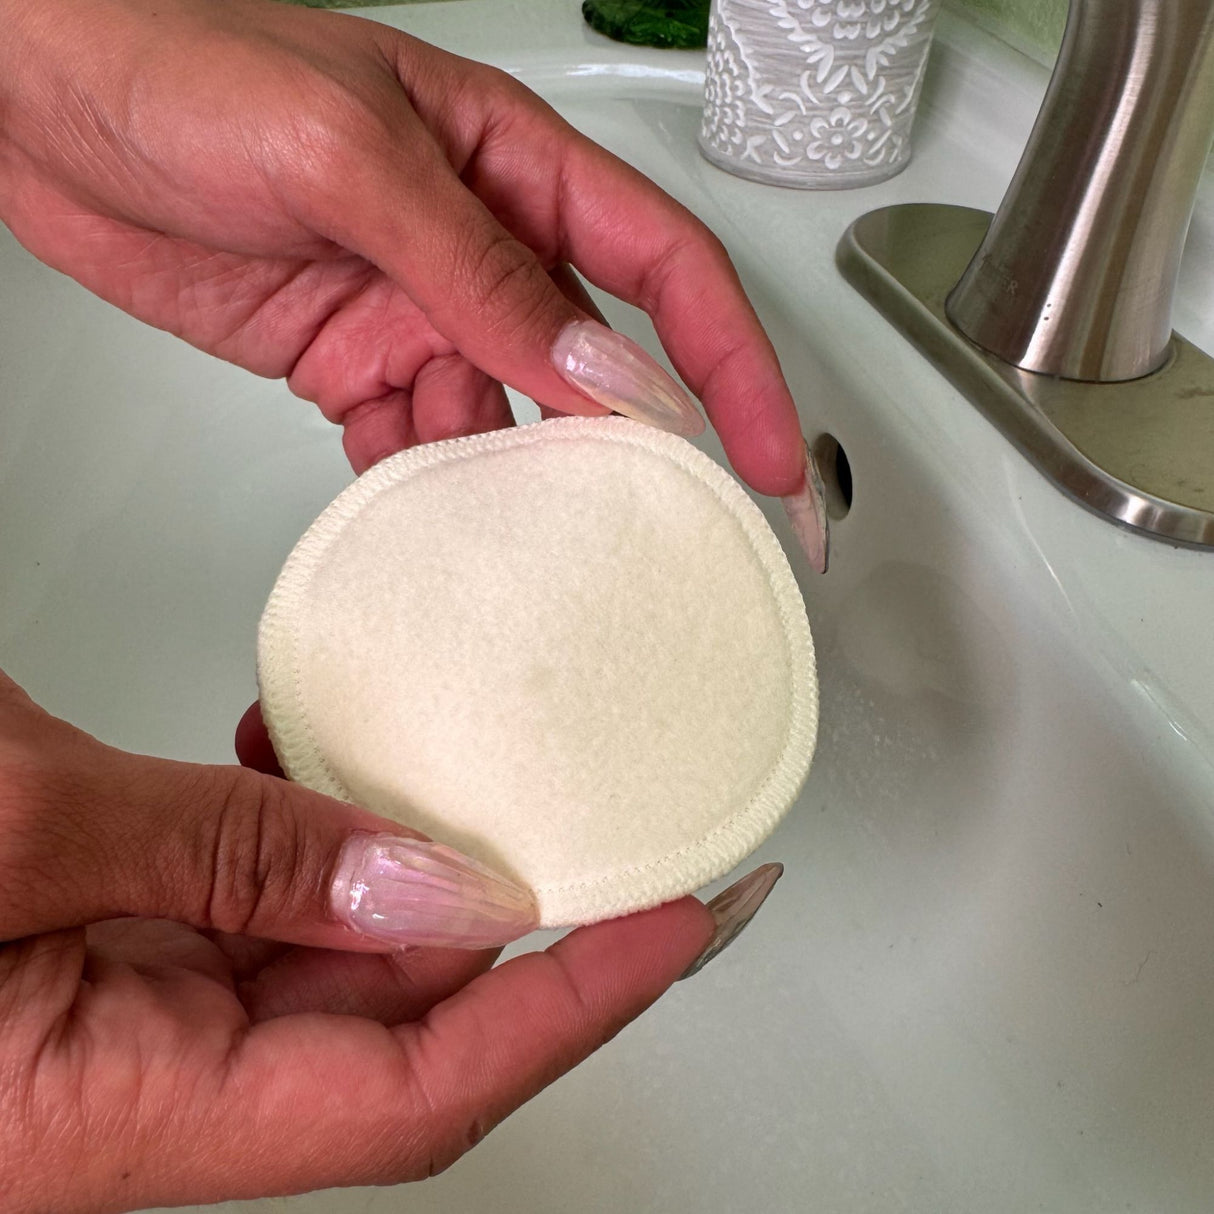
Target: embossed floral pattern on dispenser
<point>815,93</point>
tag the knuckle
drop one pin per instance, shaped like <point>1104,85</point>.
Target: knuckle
<point>326,137</point>
<point>505,100</point>
<point>337,127</point>
<point>505,282</point>
<point>576,1008</point>
<point>444,1122</point>
<point>692,255</point>
<point>255,855</point>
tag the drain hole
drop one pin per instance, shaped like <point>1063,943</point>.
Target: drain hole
<point>835,468</point>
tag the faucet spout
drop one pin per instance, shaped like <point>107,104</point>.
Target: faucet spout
<point>1076,274</point>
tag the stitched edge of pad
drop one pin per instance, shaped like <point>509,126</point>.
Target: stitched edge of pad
<point>635,887</point>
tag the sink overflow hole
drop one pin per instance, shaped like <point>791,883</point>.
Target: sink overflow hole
<point>835,468</point>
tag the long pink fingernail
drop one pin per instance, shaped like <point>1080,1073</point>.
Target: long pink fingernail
<point>614,371</point>
<point>410,891</point>
<point>806,510</point>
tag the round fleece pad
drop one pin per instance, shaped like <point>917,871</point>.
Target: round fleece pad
<point>574,650</point>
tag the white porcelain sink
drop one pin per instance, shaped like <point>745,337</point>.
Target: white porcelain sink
<point>987,980</point>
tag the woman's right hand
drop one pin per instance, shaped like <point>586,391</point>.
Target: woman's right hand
<point>192,1008</point>
<point>320,197</point>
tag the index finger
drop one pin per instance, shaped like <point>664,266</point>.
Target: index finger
<point>579,203</point>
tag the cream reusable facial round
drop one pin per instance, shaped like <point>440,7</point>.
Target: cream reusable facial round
<point>573,650</point>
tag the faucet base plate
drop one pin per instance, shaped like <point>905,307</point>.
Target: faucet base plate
<point>1140,452</point>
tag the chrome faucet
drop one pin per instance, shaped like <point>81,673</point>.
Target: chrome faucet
<point>1059,327</point>
<point>1077,272</point>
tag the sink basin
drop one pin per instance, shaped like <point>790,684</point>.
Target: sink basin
<point>985,982</point>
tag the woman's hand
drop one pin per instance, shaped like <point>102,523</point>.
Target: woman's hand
<point>315,197</point>
<point>319,197</point>
<point>145,1062</point>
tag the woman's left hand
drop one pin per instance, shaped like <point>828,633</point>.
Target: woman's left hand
<point>188,1010</point>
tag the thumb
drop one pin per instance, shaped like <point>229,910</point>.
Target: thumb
<point>88,832</point>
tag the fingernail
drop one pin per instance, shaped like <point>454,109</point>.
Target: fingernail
<point>410,891</point>
<point>733,909</point>
<point>806,510</point>
<point>614,371</point>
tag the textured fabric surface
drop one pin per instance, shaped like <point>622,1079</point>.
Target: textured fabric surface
<point>574,650</point>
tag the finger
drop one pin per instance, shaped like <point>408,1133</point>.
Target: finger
<point>415,220</point>
<point>394,988</point>
<point>277,980</point>
<point>253,746</point>
<point>452,399</point>
<point>405,1103</point>
<point>377,428</point>
<point>89,833</point>
<point>478,285</point>
<point>564,195</point>
<point>245,954</point>
<point>668,263</point>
